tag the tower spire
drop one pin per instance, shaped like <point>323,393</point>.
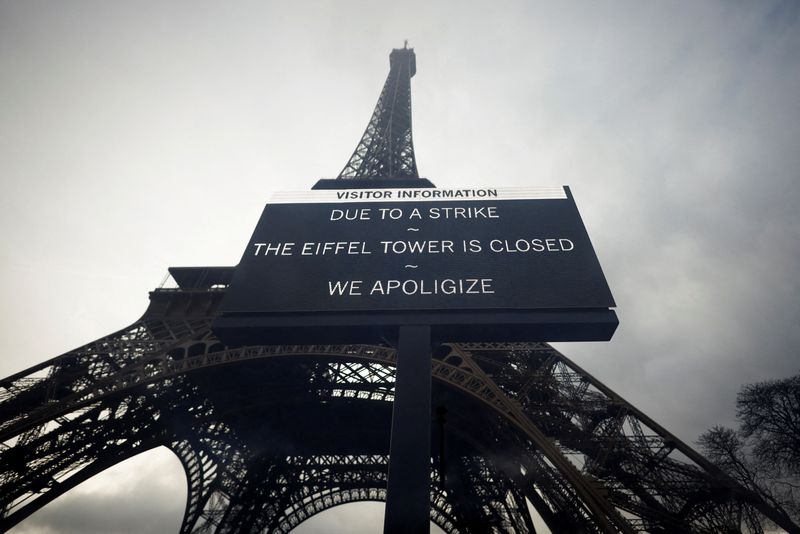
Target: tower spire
<point>386,149</point>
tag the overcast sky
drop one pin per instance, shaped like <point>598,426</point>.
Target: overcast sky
<point>140,135</point>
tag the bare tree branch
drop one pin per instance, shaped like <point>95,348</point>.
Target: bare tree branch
<point>764,454</point>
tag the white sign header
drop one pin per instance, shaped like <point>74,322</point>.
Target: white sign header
<point>335,196</point>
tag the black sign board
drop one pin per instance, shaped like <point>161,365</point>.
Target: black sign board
<point>492,259</point>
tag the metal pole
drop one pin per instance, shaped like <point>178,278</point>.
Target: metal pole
<point>408,492</point>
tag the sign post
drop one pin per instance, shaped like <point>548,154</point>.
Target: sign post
<point>408,492</point>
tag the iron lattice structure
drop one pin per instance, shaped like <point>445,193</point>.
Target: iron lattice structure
<point>386,150</point>
<point>271,435</point>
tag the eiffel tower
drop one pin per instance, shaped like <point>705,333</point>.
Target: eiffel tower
<point>271,435</point>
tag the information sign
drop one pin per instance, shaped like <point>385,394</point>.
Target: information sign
<point>417,250</point>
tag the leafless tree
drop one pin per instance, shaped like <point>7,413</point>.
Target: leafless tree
<point>764,453</point>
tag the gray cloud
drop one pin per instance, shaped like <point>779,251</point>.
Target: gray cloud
<point>135,496</point>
